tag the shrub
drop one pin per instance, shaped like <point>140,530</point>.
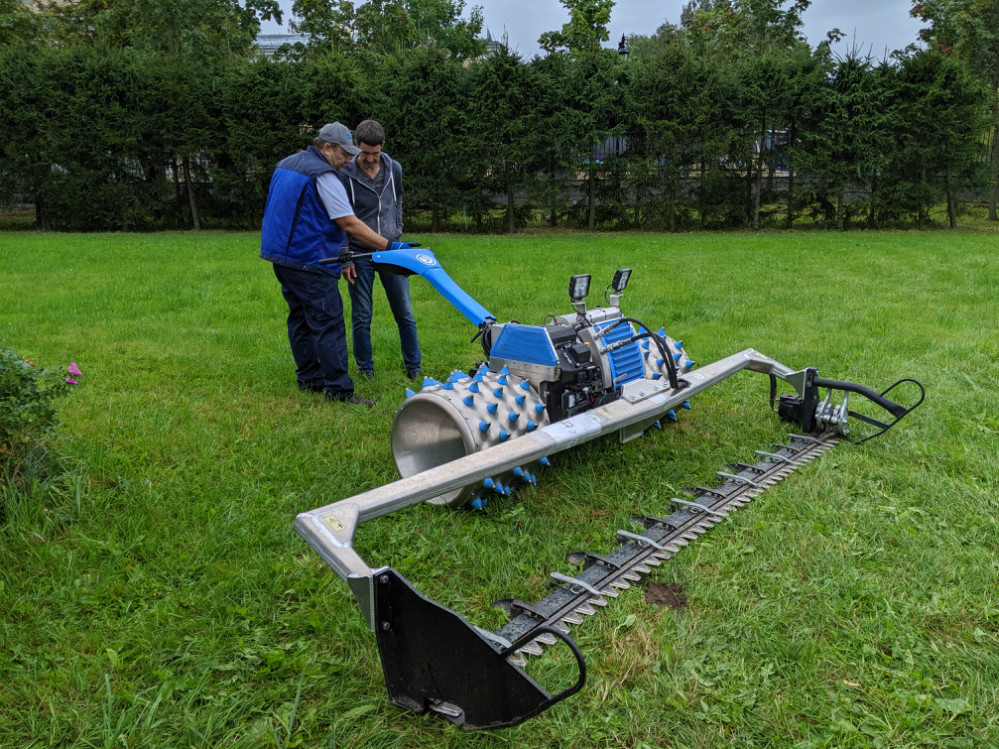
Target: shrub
<point>27,414</point>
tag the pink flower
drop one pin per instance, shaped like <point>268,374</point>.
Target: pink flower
<point>74,370</point>
<point>70,380</point>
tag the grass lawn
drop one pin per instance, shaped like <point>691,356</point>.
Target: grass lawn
<point>156,595</point>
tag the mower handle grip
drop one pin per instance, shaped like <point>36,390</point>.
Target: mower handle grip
<point>344,256</point>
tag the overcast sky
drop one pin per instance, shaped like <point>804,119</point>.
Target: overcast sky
<point>876,26</point>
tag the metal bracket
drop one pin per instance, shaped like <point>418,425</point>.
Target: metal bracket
<point>435,660</point>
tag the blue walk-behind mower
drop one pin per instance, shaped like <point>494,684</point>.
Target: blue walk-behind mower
<point>542,389</point>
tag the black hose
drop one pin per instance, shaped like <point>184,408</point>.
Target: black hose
<point>671,371</point>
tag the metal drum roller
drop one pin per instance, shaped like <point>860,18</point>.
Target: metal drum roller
<point>463,415</point>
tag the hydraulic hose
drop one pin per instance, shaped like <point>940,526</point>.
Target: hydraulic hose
<point>674,381</point>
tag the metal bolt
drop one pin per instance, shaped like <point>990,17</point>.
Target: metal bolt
<point>384,579</point>
<point>386,626</point>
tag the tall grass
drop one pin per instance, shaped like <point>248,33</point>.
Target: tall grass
<point>158,596</point>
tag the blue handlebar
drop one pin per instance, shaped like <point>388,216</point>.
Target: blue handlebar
<point>423,262</point>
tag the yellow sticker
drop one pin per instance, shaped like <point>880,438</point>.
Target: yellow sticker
<point>335,524</point>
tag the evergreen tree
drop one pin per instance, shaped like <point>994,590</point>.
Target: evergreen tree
<point>969,31</point>
<point>941,112</point>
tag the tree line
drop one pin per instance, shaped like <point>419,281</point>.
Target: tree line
<point>149,114</point>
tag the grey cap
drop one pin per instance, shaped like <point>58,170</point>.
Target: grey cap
<point>334,132</point>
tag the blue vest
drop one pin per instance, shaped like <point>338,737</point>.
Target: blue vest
<point>297,231</point>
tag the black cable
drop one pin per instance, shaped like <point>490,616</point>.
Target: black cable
<point>671,370</point>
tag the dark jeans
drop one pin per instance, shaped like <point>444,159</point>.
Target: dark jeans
<point>315,330</point>
<point>397,291</point>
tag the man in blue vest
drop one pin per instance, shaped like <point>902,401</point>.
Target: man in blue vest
<point>374,186</point>
<point>307,219</point>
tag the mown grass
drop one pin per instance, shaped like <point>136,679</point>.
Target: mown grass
<point>156,595</point>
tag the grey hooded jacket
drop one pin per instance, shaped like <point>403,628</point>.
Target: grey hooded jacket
<point>381,212</point>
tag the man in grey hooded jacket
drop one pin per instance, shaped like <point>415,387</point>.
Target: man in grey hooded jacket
<point>374,187</point>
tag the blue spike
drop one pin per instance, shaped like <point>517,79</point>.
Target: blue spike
<point>467,400</point>
<point>507,491</point>
<point>686,404</point>
<point>656,375</point>
<point>657,424</point>
<point>476,504</point>
<point>478,378</point>
<point>512,416</point>
<point>544,461</point>
<point>539,408</point>
<point>534,478</point>
<point>678,345</point>
<point>498,392</point>
<point>531,426</point>
<point>645,345</point>
<point>671,415</point>
<point>501,379</point>
<point>429,382</point>
<point>661,331</point>
<point>521,399</point>
<point>646,355</point>
<point>473,388</point>
<point>489,483</point>
<point>525,385</point>
<point>518,471</point>
<point>676,357</point>
<point>485,500</point>
<point>505,371</point>
<point>409,392</point>
<point>689,364</point>
<point>660,362</point>
<point>483,426</point>
<point>457,375</point>
<point>485,366</point>
<point>498,488</point>
<point>491,408</point>
<point>503,434</point>
<point>448,385</point>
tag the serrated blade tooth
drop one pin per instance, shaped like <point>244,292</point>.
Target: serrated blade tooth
<point>621,584</point>
<point>546,638</point>
<point>633,576</point>
<point>598,601</point>
<point>572,619</point>
<point>585,609</point>
<point>531,648</point>
<point>610,593</point>
<point>561,626</point>
<point>518,658</point>
<point>642,569</point>
<point>654,561</point>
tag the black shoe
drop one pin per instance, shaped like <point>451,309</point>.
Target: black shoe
<point>310,387</point>
<point>352,398</point>
<point>414,374</point>
<point>367,374</point>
